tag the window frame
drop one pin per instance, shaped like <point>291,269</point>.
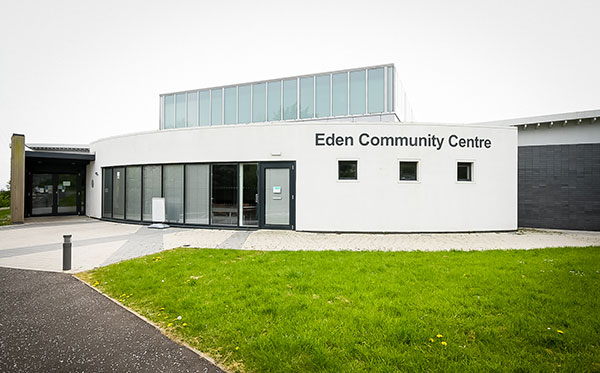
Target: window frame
<point>472,170</point>
<point>339,160</point>
<point>418,171</point>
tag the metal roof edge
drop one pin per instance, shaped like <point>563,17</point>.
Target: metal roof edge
<point>575,115</point>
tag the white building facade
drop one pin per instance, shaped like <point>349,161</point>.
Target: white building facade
<point>313,176</point>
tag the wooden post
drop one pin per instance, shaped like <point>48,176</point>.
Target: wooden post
<point>17,179</point>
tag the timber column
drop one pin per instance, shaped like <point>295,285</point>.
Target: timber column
<point>17,179</point>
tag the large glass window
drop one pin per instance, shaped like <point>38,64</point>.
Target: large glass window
<point>224,194</point>
<point>173,192</point>
<point>197,193</point>
<point>244,104</point>
<point>274,101</point>
<point>107,178</point>
<point>216,98</point>
<point>376,90</point>
<point>169,111</point>
<point>352,92</point>
<point>152,189</point>
<point>204,115</point>
<point>290,99</point>
<point>118,200</point>
<point>258,102</point>
<point>249,194</point>
<point>192,109</point>
<point>323,93</point>
<point>180,110</point>
<point>339,92</point>
<point>133,194</point>
<point>357,92</point>
<point>307,99</point>
<point>230,105</point>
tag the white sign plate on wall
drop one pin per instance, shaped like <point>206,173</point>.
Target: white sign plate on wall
<point>158,210</point>
<point>276,190</point>
<point>158,213</point>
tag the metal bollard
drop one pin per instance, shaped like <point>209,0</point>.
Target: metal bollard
<point>67,252</point>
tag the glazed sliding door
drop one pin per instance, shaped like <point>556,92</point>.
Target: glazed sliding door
<point>197,191</point>
<point>224,193</point>
<point>42,194</point>
<point>66,194</point>
<point>249,194</point>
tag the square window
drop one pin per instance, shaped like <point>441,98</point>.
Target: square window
<point>408,171</point>
<point>465,171</point>
<point>347,170</point>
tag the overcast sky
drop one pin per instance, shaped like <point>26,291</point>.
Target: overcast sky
<point>75,71</point>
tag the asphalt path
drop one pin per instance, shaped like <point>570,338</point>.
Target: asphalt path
<point>51,322</point>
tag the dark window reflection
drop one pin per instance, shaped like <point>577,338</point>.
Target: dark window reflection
<point>465,171</point>
<point>250,192</point>
<point>408,170</point>
<point>347,170</point>
<point>224,194</point>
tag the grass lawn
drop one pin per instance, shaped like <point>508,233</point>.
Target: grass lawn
<point>536,310</point>
<point>4,216</point>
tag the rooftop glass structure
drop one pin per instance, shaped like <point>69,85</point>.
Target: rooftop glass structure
<point>362,92</point>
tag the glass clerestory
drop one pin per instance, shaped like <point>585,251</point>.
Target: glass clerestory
<point>356,92</point>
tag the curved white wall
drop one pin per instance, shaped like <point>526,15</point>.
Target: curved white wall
<point>377,202</point>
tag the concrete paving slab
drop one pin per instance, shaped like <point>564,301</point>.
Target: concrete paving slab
<point>33,234</point>
<point>37,244</point>
<point>51,322</point>
<point>83,257</point>
<point>203,238</point>
<point>522,239</point>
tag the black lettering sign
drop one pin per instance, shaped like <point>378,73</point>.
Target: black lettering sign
<point>429,141</point>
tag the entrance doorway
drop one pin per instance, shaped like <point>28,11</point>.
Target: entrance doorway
<point>278,195</point>
<point>54,194</point>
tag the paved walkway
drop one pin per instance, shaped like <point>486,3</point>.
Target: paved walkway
<point>51,322</point>
<point>38,243</point>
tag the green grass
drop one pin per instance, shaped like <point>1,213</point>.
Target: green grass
<point>4,216</point>
<point>372,311</point>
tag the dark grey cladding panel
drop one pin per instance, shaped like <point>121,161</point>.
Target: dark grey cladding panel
<point>559,186</point>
